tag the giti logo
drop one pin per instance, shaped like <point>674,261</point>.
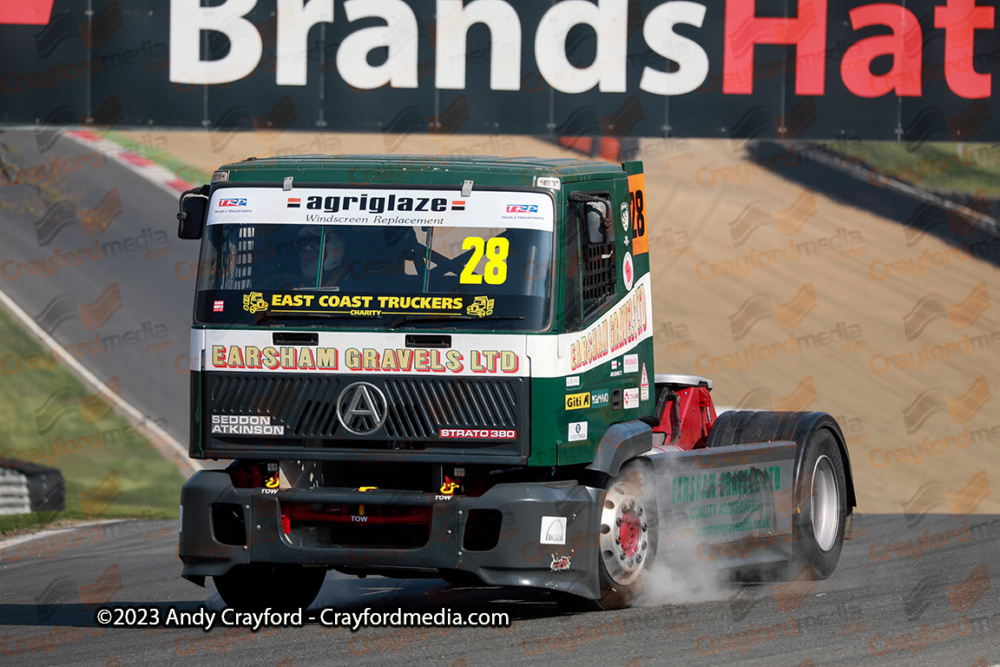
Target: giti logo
<point>960,315</point>
<point>480,307</point>
<point>254,302</point>
<point>578,401</point>
<point>760,214</point>
<point>933,401</point>
<point>786,315</point>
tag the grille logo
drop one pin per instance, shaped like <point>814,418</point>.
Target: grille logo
<point>362,408</point>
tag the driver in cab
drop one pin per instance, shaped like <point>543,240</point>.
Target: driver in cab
<point>331,274</point>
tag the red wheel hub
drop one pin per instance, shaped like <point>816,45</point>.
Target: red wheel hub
<point>630,532</point>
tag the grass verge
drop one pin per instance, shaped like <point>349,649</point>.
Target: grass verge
<point>972,169</point>
<point>48,416</point>
<point>164,158</point>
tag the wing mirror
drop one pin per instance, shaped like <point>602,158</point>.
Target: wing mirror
<point>193,210</point>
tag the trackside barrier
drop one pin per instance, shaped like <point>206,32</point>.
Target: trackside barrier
<point>30,487</point>
<point>13,493</point>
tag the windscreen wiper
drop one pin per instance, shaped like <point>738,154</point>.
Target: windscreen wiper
<point>420,319</point>
<point>270,315</point>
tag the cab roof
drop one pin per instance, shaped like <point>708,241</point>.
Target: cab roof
<point>428,169</point>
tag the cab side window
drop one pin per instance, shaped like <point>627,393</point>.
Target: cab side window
<point>590,267</point>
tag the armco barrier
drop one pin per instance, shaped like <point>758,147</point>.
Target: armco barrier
<point>13,492</point>
<point>30,487</point>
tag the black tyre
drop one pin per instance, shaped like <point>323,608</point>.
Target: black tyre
<point>819,514</point>
<point>628,536</point>
<point>258,586</point>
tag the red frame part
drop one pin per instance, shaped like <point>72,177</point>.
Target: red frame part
<point>696,414</point>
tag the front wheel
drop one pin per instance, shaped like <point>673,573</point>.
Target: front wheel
<point>628,530</point>
<point>820,512</point>
<point>258,586</point>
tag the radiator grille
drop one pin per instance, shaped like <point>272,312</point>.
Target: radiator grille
<point>418,407</point>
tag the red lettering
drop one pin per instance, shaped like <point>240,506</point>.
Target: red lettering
<point>960,20</point>
<point>905,45</point>
<point>744,30</point>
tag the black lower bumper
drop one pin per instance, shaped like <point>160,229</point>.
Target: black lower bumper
<point>522,555</point>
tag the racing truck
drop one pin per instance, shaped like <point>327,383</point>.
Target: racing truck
<point>444,366</point>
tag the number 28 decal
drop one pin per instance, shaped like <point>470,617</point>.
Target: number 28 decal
<point>496,250</point>
<point>637,213</point>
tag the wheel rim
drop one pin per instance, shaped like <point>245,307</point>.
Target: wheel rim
<point>825,512</point>
<point>624,532</point>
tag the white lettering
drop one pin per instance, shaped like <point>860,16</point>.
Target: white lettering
<point>188,19</point>
<point>658,31</point>
<point>399,37</point>
<point>609,19</point>
<point>294,21</point>
<point>453,25</point>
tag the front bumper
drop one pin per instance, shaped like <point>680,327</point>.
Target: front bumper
<point>519,557</point>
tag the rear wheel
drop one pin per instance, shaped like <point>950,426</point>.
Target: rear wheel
<point>628,529</point>
<point>258,586</point>
<point>820,511</point>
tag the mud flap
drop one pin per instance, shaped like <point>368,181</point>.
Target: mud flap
<point>728,508</point>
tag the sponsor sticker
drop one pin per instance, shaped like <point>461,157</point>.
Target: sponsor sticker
<point>577,431</point>
<point>598,398</point>
<point>245,425</point>
<point>573,381</point>
<point>553,530</point>
<point>628,271</point>
<point>233,201</point>
<point>578,401</point>
<point>559,563</point>
<point>631,398</point>
<point>644,384</point>
<point>448,487</point>
<point>625,221</point>
<point>631,363</point>
<point>218,306</point>
<point>478,433</point>
<point>481,307</point>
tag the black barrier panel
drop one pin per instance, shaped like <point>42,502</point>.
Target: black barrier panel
<point>46,486</point>
<point>738,69</point>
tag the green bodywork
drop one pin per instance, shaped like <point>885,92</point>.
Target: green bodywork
<point>550,420</point>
